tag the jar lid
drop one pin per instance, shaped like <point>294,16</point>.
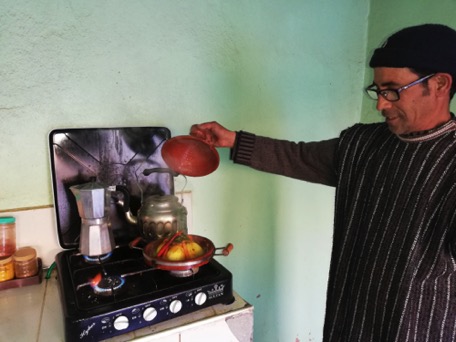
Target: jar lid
<point>6,260</point>
<point>7,219</point>
<point>24,254</point>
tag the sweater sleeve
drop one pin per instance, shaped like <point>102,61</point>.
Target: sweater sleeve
<point>308,161</point>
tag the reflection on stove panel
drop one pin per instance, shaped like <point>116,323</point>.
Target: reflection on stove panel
<point>112,156</point>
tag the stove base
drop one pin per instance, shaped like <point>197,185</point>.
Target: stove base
<point>146,310</point>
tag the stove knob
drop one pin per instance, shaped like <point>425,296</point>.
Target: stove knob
<point>149,314</point>
<point>175,306</point>
<point>200,298</point>
<point>121,323</point>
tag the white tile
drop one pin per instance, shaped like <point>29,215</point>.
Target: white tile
<point>52,319</point>
<point>20,313</point>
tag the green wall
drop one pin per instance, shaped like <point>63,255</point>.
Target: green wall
<point>289,69</point>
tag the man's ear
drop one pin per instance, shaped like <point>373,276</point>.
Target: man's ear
<point>443,83</point>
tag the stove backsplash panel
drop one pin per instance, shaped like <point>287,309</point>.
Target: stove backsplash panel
<point>111,156</point>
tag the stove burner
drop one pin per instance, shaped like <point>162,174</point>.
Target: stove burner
<point>98,259</point>
<point>184,273</point>
<point>107,285</point>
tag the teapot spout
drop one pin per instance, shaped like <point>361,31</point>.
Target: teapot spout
<point>124,203</point>
<point>131,218</point>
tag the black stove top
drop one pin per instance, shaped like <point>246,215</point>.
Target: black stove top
<point>136,295</point>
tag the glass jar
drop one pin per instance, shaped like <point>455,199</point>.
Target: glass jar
<point>7,236</point>
<point>25,262</point>
<point>6,268</point>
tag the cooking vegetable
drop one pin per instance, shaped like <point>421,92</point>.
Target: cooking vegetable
<point>175,253</point>
<point>166,244</point>
<point>193,249</point>
<point>179,247</point>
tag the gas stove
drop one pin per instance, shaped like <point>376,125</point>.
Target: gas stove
<point>117,292</point>
<point>139,296</point>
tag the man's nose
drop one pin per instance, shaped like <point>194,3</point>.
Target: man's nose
<point>383,103</point>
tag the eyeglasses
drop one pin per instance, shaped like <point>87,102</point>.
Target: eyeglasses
<point>392,95</point>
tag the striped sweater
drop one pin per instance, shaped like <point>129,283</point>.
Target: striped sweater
<point>393,266</point>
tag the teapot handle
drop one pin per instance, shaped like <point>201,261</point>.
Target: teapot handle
<point>148,172</point>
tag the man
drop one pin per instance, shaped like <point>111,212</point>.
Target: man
<point>393,266</point>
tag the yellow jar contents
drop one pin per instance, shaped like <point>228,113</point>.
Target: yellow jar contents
<point>25,262</point>
<point>6,269</point>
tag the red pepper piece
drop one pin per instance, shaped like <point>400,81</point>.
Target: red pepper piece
<point>165,247</point>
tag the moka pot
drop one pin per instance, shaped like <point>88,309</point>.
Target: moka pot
<point>93,200</point>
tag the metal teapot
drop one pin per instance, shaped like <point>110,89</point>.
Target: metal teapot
<point>159,215</point>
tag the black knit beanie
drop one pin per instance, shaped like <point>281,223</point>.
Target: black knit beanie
<point>430,47</point>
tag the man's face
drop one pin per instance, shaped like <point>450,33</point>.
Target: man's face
<point>413,111</point>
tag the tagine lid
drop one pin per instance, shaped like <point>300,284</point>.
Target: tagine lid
<point>190,156</point>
